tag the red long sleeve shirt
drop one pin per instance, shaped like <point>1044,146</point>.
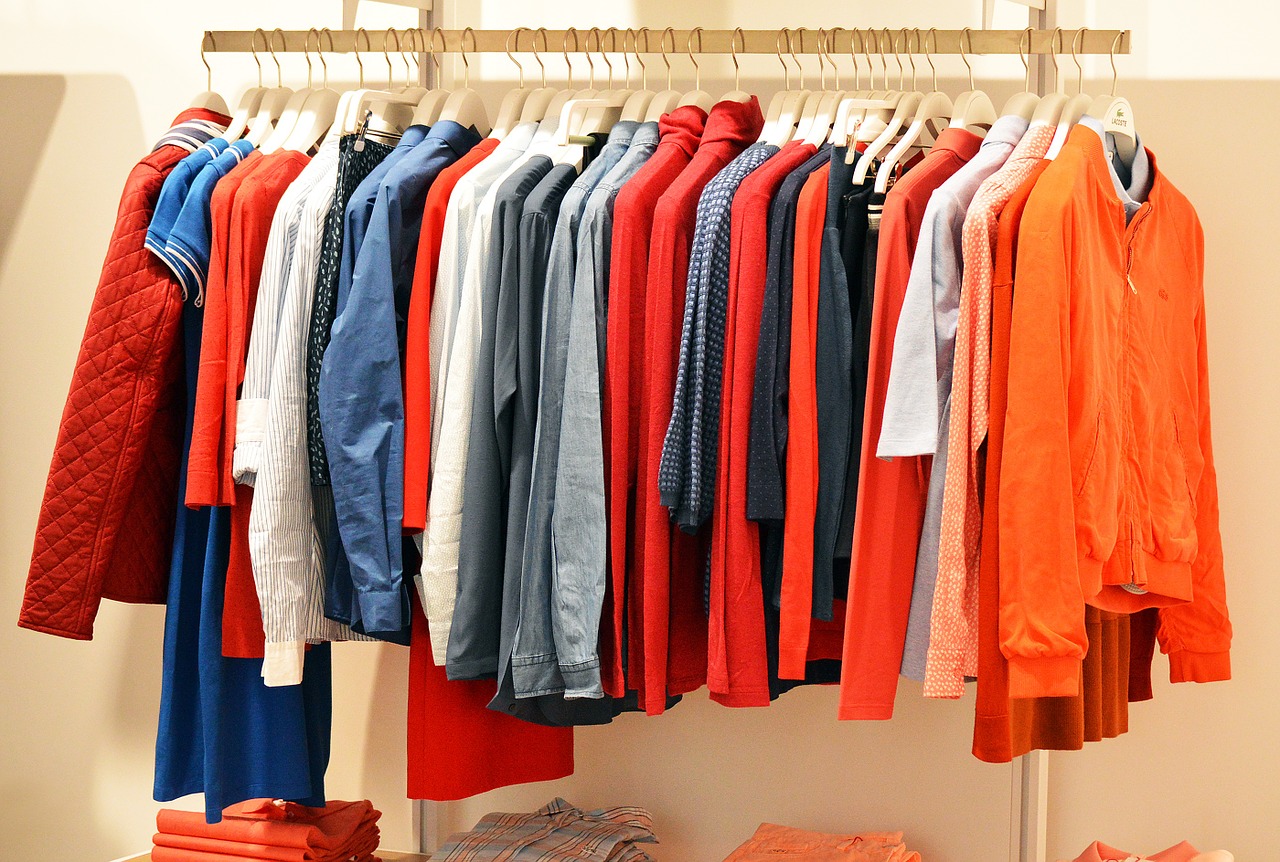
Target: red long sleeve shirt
<point>624,386</point>
<point>891,494</point>
<point>417,358</point>
<point>675,634</point>
<point>737,662</point>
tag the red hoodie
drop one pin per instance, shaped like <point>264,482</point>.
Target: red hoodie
<point>623,383</point>
<point>675,633</point>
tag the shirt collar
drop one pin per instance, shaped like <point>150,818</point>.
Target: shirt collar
<point>414,135</point>
<point>646,135</point>
<point>1006,130</point>
<point>623,132</point>
<point>193,128</point>
<point>458,137</point>
<point>962,142</point>
<point>733,122</point>
<point>1133,192</point>
<point>683,127</point>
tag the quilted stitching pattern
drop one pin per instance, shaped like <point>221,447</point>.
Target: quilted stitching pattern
<point>106,524</point>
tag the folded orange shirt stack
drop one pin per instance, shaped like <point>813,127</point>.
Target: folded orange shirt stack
<point>272,831</point>
<point>772,842</point>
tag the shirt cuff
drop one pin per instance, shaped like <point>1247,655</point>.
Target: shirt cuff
<point>1048,676</point>
<point>1187,666</point>
<point>582,680</point>
<point>282,663</point>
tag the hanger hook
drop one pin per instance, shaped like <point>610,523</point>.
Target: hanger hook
<point>271,46</point>
<point>1075,56</point>
<point>515,34</point>
<point>386,54</point>
<point>791,47</point>
<point>928,55</point>
<point>644,70</point>
<point>627,35</point>
<point>203,59</point>
<point>536,55</point>
<point>853,55</point>
<point>564,48</point>
<point>435,55</point>
<point>355,49</point>
<point>733,50</point>
<point>1055,45</point>
<point>830,48</point>
<point>612,33</point>
<point>591,64</point>
<point>911,55</point>
<point>1024,55</point>
<point>411,33</point>
<point>324,64</point>
<point>786,70</point>
<point>1115,76</point>
<point>886,33</point>
<point>822,60</point>
<point>866,53</point>
<point>604,55</point>
<point>663,45</point>
<point>966,45</point>
<point>253,49</point>
<point>306,53</point>
<point>697,70</point>
<point>466,61</point>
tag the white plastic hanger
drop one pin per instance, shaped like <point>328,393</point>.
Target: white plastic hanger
<point>1076,107</point>
<point>771,131</point>
<point>1049,110</point>
<point>412,76</point>
<point>906,107</point>
<point>379,111</point>
<point>809,112</point>
<point>539,100</point>
<point>432,101</point>
<point>1022,104</point>
<point>854,105</point>
<point>932,114</point>
<point>272,105</point>
<point>1116,114</point>
<point>513,102</point>
<point>611,103</point>
<point>668,100</point>
<point>884,106</point>
<point>318,113</point>
<point>791,109</point>
<point>973,109</point>
<point>209,100</point>
<point>465,107</point>
<point>293,108</point>
<point>637,105</point>
<point>828,105</point>
<point>249,100</point>
<point>696,96</point>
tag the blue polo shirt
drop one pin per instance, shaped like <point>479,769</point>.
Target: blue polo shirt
<point>174,192</point>
<point>187,249</point>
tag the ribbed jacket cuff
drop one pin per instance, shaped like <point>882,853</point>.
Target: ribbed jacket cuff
<point>1049,676</point>
<point>1187,666</point>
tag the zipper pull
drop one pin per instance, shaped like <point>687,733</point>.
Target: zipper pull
<point>1129,278</point>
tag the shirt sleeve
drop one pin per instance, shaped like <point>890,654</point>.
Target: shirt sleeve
<point>1197,635</point>
<point>362,417</point>
<point>925,333</point>
<point>1042,626</point>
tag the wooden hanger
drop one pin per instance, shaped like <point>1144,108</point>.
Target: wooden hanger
<point>1050,107</point>
<point>209,100</point>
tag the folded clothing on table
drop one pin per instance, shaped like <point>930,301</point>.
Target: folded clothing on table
<point>774,842</point>
<point>557,831</point>
<point>271,831</point>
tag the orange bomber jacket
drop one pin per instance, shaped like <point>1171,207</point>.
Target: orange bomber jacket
<point>1108,494</point>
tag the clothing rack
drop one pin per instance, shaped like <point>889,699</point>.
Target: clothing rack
<point>1030,772</point>
<point>911,40</point>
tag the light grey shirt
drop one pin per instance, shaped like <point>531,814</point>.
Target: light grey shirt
<point>924,344</point>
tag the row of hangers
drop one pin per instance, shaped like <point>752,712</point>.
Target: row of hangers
<point>868,121</point>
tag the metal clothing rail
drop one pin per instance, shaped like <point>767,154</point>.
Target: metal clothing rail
<point>909,40</point>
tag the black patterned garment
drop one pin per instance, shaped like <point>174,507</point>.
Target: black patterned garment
<point>354,164</point>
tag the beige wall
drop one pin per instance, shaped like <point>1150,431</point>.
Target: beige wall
<point>85,87</point>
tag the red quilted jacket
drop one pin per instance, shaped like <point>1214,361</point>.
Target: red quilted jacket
<point>106,524</point>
